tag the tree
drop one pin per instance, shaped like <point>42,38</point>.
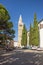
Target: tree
<point>6,26</point>
<point>31,35</point>
<point>24,36</point>
<point>4,15</point>
<point>35,31</point>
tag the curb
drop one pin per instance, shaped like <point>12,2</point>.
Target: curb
<point>35,51</point>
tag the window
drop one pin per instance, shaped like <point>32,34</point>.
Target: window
<point>41,26</point>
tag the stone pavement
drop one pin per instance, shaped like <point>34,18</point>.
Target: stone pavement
<point>22,50</point>
<point>22,57</point>
<point>2,52</point>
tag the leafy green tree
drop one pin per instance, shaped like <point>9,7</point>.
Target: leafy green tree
<point>35,31</point>
<point>4,15</point>
<point>6,27</point>
<point>31,38</point>
<point>30,35</point>
<point>24,36</point>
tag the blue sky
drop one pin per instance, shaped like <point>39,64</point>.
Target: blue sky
<point>26,8</point>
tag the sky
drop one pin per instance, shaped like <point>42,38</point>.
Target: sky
<point>26,8</point>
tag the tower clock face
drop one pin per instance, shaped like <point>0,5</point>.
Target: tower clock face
<point>20,25</point>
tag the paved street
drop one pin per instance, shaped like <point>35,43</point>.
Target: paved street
<point>21,57</point>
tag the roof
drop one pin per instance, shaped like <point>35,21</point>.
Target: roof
<point>40,20</point>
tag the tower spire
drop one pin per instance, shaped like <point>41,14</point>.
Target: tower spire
<point>20,20</point>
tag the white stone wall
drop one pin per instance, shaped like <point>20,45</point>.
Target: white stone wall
<point>41,38</point>
<point>27,39</point>
<point>15,44</point>
<point>40,35</point>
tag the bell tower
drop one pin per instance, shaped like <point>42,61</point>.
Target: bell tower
<point>20,28</point>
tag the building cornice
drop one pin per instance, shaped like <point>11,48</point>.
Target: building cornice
<point>40,21</point>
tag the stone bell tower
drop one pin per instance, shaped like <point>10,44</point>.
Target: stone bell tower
<point>20,28</point>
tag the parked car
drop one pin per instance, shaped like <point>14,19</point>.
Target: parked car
<point>25,47</point>
<point>39,49</point>
<point>34,48</point>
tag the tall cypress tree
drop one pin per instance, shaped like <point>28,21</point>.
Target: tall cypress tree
<point>31,35</point>
<point>36,31</point>
<point>24,36</point>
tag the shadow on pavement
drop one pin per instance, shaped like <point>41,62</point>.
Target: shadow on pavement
<point>22,58</point>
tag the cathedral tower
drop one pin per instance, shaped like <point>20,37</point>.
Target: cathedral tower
<point>20,28</point>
